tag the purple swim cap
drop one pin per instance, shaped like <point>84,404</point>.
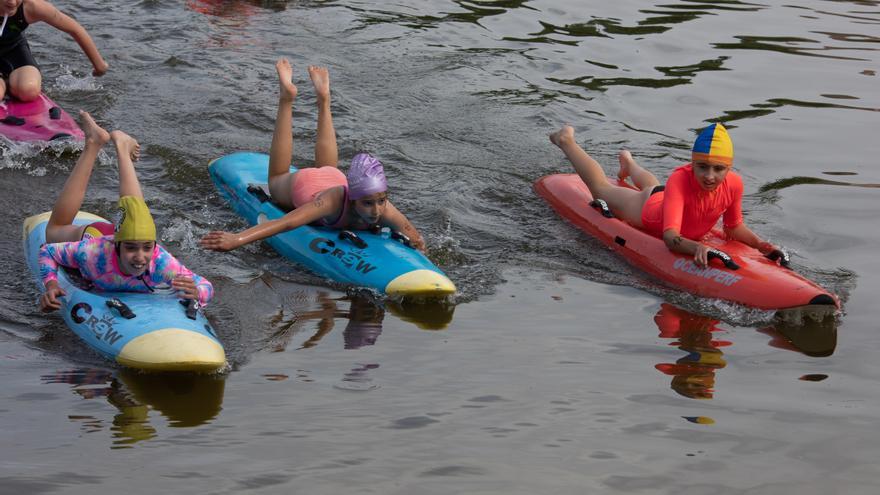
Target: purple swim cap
<point>365,176</point>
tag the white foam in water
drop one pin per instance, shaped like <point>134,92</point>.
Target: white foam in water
<point>68,81</point>
<point>18,156</point>
<point>743,315</point>
<point>444,247</point>
<point>727,311</point>
<point>21,155</point>
<point>180,230</point>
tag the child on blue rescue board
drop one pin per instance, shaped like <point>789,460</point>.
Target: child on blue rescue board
<point>321,194</point>
<point>122,257</point>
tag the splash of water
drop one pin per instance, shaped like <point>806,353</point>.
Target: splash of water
<point>70,81</point>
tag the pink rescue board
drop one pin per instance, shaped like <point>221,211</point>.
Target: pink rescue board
<point>38,120</point>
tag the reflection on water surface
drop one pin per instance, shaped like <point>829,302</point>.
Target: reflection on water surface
<point>812,332</point>
<point>184,400</point>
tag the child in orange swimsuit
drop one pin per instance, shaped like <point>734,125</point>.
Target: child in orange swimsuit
<point>321,194</point>
<point>695,196</point>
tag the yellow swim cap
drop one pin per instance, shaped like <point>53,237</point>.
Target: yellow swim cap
<point>713,145</point>
<point>136,223</point>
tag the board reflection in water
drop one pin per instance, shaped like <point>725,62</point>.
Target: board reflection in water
<point>813,333</point>
<point>185,400</point>
<point>693,375</point>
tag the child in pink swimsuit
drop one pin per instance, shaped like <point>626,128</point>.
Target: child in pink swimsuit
<point>322,194</point>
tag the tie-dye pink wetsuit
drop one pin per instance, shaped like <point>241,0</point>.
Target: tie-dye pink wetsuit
<point>96,260</point>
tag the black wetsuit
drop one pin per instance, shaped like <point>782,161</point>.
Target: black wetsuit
<point>14,49</point>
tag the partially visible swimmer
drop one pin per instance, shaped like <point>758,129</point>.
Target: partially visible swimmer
<point>683,211</point>
<point>320,194</point>
<point>21,76</point>
<point>121,257</point>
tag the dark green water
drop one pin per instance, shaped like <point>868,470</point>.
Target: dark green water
<point>558,369</point>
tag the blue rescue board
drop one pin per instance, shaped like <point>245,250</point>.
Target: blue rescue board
<point>378,261</point>
<point>159,333</point>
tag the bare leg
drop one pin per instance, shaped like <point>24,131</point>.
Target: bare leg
<point>25,83</point>
<point>624,202</point>
<point>281,152</point>
<point>60,227</point>
<point>127,150</point>
<point>326,152</point>
<point>630,168</point>
<point>2,88</point>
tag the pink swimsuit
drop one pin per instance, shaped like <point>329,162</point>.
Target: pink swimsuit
<point>309,182</point>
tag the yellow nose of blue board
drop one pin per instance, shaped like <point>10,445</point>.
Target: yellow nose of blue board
<point>420,283</point>
<point>173,349</point>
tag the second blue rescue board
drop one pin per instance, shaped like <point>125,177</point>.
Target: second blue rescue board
<point>379,260</point>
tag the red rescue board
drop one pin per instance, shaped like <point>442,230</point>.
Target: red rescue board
<point>758,283</point>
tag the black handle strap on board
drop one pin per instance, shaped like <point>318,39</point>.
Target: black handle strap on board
<point>347,235</point>
<point>12,120</point>
<point>602,206</point>
<point>403,238</point>
<point>724,257</point>
<point>122,308</point>
<point>780,255</point>
<point>258,191</point>
<point>191,307</point>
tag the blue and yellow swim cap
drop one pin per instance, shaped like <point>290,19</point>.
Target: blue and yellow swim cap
<point>713,145</point>
<point>136,222</point>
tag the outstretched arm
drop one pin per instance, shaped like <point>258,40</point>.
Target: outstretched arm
<point>39,10</point>
<point>325,204</point>
<point>396,220</point>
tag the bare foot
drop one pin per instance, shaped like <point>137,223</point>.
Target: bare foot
<point>626,161</point>
<point>285,79</point>
<point>95,134</point>
<point>563,136</point>
<point>126,144</point>
<point>321,79</point>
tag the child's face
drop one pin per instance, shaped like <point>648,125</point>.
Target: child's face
<point>8,7</point>
<point>371,208</point>
<point>710,175</point>
<point>134,256</point>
